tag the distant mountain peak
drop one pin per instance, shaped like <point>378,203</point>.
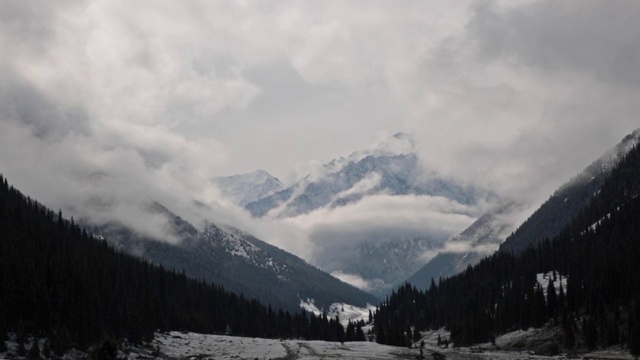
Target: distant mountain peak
<point>401,135</point>
<point>243,189</point>
<point>398,144</point>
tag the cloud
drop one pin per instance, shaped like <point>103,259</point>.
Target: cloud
<point>358,281</point>
<point>521,105</point>
<point>328,235</point>
<point>105,105</point>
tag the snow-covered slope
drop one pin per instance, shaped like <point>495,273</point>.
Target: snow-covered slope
<point>345,312</point>
<point>376,261</point>
<point>177,345</point>
<point>385,264</point>
<point>236,260</point>
<point>243,189</point>
<point>391,168</point>
<point>483,237</point>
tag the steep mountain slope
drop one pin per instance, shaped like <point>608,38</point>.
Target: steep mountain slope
<point>491,229</point>
<point>379,261</point>
<point>237,261</point>
<point>392,168</point>
<point>243,189</point>
<point>565,204</point>
<point>474,243</point>
<point>61,283</point>
<point>594,258</point>
<point>385,264</point>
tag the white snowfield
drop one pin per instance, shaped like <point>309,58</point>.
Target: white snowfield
<point>179,345</point>
<point>192,346</point>
<point>345,312</point>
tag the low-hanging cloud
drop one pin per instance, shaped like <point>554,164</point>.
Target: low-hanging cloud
<point>106,106</point>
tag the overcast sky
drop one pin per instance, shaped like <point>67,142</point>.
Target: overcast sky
<point>159,96</point>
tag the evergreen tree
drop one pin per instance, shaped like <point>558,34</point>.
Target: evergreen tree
<point>79,291</point>
<point>381,337</point>
<point>34,352</point>
<point>416,335</point>
<point>46,350</point>
<point>360,334</point>
<point>409,335</point>
<point>552,300</point>
<point>634,329</point>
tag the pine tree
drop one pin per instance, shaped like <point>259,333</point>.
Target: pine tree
<point>416,335</point>
<point>381,337</point>
<point>409,335</point>
<point>634,330</point>
<point>360,334</point>
<point>552,299</point>
<point>569,334</point>
<point>34,352</point>
<point>46,349</point>
<point>21,338</point>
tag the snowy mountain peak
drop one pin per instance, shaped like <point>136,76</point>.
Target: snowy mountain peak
<point>398,144</point>
<point>260,176</point>
<point>246,188</point>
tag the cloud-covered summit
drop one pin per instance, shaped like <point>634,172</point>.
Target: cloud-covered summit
<point>105,105</point>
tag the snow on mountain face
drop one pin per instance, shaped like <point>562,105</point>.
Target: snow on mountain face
<point>386,264</point>
<point>345,312</point>
<point>391,168</point>
<point>558,280</point>
<point>477,241</point>
<point>246,188</point>
<point>236,260</point>
<point>376,262</point>
<point>233,242</point>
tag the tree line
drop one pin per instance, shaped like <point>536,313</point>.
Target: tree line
<point>59,282</point>
<point>597,254</point>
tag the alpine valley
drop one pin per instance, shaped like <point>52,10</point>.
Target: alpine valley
<point>385,257</point>
<point>559,283</point>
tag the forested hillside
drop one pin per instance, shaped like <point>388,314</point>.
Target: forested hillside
<point>58,281</point>
<point>597,254</point>
<point>568,201</point>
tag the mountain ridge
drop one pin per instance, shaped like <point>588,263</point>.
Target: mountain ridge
<point>238,261</point>
<point>243,189</point>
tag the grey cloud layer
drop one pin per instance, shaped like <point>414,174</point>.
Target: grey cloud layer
<point>107,104</point>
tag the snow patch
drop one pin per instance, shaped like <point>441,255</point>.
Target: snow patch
<point>552,276</point>
<point>345,312</point>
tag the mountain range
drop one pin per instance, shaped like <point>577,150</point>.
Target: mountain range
<point>79,286</point>
<point>392,168</point>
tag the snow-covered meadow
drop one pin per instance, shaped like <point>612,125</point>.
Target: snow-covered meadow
<point>192,346</point>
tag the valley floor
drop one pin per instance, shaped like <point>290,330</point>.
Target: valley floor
<point>192,346</point>
<point>178,345</point>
